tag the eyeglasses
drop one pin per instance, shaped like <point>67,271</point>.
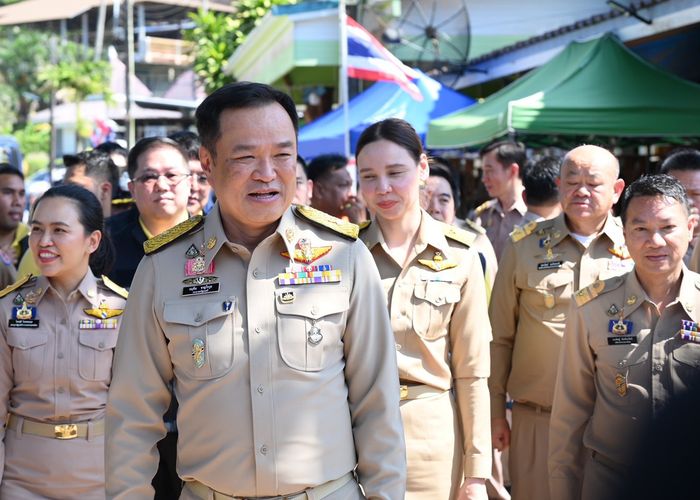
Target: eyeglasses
<point>150,179</point>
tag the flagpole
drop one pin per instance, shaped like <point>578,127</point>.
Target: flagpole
<point>343,76</point>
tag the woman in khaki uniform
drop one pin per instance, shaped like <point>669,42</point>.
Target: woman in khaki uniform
<point>437,303</point>
<point>57,335</point>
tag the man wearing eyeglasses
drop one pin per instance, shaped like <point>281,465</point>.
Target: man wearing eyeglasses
<point>159,171</point>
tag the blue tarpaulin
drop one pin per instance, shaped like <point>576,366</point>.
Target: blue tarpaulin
<point>382,100</point>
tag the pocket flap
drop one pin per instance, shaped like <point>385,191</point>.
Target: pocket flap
<point>26,339</point>
<point>309,304</point>
<point>438,293</point>
<point>688,354</point>
<point>622,356</point>
<point>550,280</point>
<point>99,340</point>
<point>197,313</point>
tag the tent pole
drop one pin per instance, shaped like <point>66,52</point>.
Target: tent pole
<point>343,96</point>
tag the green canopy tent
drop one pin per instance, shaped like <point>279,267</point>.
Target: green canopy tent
<point>595,89</point>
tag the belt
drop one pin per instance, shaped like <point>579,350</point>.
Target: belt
<point>418,391</point>
<point>202,491</point>
<point>56,431</point>
<point>611,464</point>
<point>535,406</point>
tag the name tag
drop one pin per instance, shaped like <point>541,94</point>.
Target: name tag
<point>622,340</point>
<point>23,323</point>
<point>554,264</point>
<point>200,289</point>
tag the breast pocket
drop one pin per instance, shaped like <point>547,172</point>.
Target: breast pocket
<point>553,293</point>
<point>310,329</point>
<point>685,365</point>
<point>29,351</point>
<point>202,337</point>
<point>95,353</point>
<point>433,302</point>
<point>622,374</point>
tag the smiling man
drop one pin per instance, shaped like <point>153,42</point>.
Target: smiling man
<point>159,172</point>
<point>630,346</point>
<point>270,322</point>
<point>543,263</point>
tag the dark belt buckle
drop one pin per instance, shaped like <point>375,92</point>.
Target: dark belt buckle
<point>65,431</point>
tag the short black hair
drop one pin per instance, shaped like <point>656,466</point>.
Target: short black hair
<point>146,144</point>
<point>189,141</point>
<point>507,152</point>
<point>663,185</point>
<point>540,180</point>
<point>110,147</point>
<point>8,168</point>
<point>98,165</point>
<point>237,95</point>
<point>322,165</point>
<point>440,168</point>
<point>681,159</point>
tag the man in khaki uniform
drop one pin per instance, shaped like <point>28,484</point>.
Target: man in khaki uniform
<point>630,346</point>
<point>502,164</point>
<point>272,324</point>
<point>541,267</point>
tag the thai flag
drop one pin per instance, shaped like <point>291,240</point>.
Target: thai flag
<point>370,60</point>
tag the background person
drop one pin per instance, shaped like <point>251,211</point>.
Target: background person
<point>12,231</point>
<point>437,302</point>
<point>540,189</point>
<point>305,186</point>
<point>332,192</point>
<point>630,347</point>
<point>199,202</point>
<point>57,336</point>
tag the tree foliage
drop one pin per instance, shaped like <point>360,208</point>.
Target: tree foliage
<point>216,36</point>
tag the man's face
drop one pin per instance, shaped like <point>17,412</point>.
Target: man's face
<point>588,186</point>
<point>200,189</point>
<point>303,189</point>
<point>331,191</point>
<point>691,182</point>
<point>160,186</point>
<point>657,232</point>
<point>253,168</point>
<point>11,201</point>
<point>497,178</point>
<point>438,196</point>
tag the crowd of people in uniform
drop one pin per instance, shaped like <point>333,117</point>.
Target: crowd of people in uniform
<point>249,326</point>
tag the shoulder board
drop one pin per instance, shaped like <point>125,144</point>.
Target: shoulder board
<point>166,237</point>
<point>364,224</point>
<point>28,279</point>
<point>519,232</point>
<point>122,201</point>
<point>598,287</point>
<point>459,235</point>
<point>473,226</point>
<point>108,283</point>
<point>347,230</point>
<point>482,207</point>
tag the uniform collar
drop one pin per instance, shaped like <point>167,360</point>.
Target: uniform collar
<point>612,228</point>
<point>429,233</point>
<point>635,295</point>
<point>519,205</point>
<point>87,288</point>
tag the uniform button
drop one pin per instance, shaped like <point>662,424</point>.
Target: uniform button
<point>257,329</point>
<point>101,345</point>
<point>198,317</point>
<point>63,322</point>
<point>658,367</point>
<point>398,347</point>
<point>60,355</point>
<point>60,390</point>
<point>261,389</point>
<point>622,363</point>
<point>263,449</point>
<point>256,273</point>
<point>313,309</point>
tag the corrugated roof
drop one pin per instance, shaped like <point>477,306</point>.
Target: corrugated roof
<point>37,11</point>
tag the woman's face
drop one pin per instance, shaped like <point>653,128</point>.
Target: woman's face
<point>390,179</point>
<point>58,240</point>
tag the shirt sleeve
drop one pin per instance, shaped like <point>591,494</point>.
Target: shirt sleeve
<point>470,334</point>
<point>138,395</point>
<point>574,399</point>
<point>372,377</point>
<point>503,313</point>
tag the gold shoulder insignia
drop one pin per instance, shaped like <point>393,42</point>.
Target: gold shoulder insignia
<point>347,230</point>
<point>108,283</point>
<point>364,224</point>
<point>166,237</point>
<point>473,226</point>
<point>459,235</point>
<point>478,210</point>
<point>122,201</point>
<point>26,279</point>
<point>598,287</point>
<point>519,232</point>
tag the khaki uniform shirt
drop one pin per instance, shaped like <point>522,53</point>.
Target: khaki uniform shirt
<point>530,299</point>
<point>483,245</point>
<point>441,329</point>
<point>611,384</point>
<point>498,223</point>
<point>56,366</point>
<point>280,387</point>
